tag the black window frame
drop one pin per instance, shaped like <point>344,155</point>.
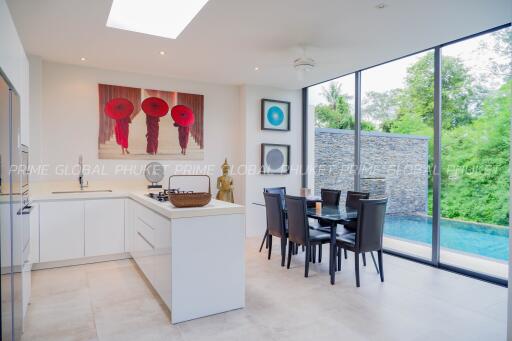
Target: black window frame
<point>435,260</point>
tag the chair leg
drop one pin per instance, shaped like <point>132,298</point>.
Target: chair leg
<point>269,245</point>
<point>364,259</point>
<point>374,262</point>
<point>290,250</point>
<point>381,268</point>
<point>313,253</point>
<point>356,258</point>
<point>345,251</point>
<point>339,258</point>
<point>320,253</point>
<point>264,241</point>
<point>283,250</point>
<point>306,263</point>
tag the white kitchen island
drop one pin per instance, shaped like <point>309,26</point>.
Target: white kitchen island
<point>194,258</point>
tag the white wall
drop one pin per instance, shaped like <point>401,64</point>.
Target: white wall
<point>14,64</point>
<point>65,119</point>
<point>64,124</point>
<point>250,99</point>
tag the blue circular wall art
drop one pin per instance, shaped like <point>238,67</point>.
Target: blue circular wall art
<point>275,159</point>
<point>275,116</point>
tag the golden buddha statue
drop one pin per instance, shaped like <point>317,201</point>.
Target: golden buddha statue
<point>225,184</point>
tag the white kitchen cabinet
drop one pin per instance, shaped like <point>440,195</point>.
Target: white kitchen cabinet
<point>5,246</point>
<point>104,227</point>
<point>128,224</point>
<point>152,248</point>
<point>162,260</point>
<point>144,246</point>
<point>34,233</point>
<point>61,230</point>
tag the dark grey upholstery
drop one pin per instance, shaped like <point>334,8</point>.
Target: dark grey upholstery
<point>276,224</point>
<point>352,201</point>
<point>353,198</point>
<point>276,190</point>
<point>299,231</point>
<point>330,197</point>
<point>275,215</point>
<point>369,232</point>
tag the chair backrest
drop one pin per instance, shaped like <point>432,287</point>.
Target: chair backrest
<point>275,214</point>
<point>370,224</point>
<point>276,190</point>
<point>353,198</point>
<point>298,226</point>
<point>330,197</point>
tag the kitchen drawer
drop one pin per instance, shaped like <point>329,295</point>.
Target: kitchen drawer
<point>143,254</point>
<point>147,231</point>
<point>150,218</point>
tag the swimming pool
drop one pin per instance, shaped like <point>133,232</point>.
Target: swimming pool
<point>481,240</point>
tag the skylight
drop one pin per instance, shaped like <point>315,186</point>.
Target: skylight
<point>163,18</point>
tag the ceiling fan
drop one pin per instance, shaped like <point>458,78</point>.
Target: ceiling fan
<point>301,64</point>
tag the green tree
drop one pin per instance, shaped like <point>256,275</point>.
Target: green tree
<point>501,44</point>
<point>381,107</point>
<point>457,94</point>
<point>475,168</point>
<point>332,93</point>
<point>336,113</point>
<point>339,117</point>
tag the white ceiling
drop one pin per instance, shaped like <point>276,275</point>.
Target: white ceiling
<point>228,38</point>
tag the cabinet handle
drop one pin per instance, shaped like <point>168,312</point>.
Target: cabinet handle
<point>152,246</point>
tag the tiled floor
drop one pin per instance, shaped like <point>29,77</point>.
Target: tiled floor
<point>111,301</point>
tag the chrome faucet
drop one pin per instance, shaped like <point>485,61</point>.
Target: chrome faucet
<point>81,174</point>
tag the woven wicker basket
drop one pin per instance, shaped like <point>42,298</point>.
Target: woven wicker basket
<point>190,199</point>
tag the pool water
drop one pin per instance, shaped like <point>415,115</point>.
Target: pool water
<point>482,240</point>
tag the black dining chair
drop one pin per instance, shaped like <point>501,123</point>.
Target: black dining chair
<point>330,198</point>
<point>299,231</point>
<point>276,190</point>
<point>369,233</point>
<point>352,202</point>
<point>276,223</point>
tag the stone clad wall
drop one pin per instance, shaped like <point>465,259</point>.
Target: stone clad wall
<point>391,163</point>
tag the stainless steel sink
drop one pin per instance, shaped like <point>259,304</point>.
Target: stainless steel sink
<point>84,191</point>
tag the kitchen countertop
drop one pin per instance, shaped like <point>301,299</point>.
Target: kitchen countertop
<point>40,192</point>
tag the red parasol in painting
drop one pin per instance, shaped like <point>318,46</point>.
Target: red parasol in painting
<point>154,108</point>
<point>120,110</point>
<point>182,115</point>
<point>184,118</point>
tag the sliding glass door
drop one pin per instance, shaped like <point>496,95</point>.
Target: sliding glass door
<point>475,136</point>
<point>435,140</point>
<point>332,103</point>
<point>396,148</point>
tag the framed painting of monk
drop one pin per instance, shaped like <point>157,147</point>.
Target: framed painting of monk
<point>136,123</point>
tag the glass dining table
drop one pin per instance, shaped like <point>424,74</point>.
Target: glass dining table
<point>331,216</point>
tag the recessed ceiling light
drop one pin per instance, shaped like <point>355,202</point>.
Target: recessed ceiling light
<point>162,53</point>
<point>381,6</point>
<point>256,68</point>
<point>163,18</point>
<point>83,59</point>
